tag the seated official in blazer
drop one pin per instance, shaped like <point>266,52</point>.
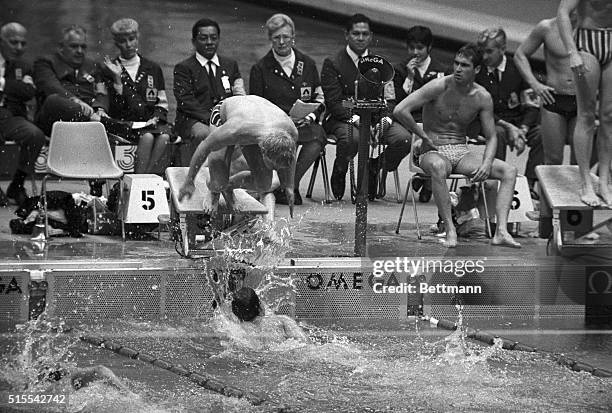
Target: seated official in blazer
<point>138,94</point>
<point>283,76</point>
<point>70,84</point>
<point>413,72</point>
<point>338,77</point>
<point>200,83</point>
<point>71,87</point>
<point>16,90</point>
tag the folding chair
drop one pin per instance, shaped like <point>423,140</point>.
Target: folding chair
<point>331,140</point>
<point>80,150</point>
<point>419,173</point>
<point>321,160</point>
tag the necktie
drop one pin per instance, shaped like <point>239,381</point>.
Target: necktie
<point>212,81</point>
<point>494,75</point>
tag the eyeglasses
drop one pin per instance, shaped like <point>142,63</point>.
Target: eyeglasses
<point>282,38</point>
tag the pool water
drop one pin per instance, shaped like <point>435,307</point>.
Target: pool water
<point>365,366</point>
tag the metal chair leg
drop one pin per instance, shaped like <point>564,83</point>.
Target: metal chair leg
<point>120,209</point>
<point>352,179</point>
<point>313,176</point>
<point>416,216</point>
<point>399,221</point>
<point>326,185</point>
<point>486,208</point>
<point>34,186</point>
<point>44,199</point>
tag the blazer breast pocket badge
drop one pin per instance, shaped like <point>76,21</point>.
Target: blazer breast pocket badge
<point>226,84</point>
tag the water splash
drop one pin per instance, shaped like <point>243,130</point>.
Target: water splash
<point>41,349</point>
<point>250,259</point>
<point>465,356</point>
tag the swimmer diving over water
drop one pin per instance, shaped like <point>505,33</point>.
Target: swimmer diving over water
<point>267,138</point>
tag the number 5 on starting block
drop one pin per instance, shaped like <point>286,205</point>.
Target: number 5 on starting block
<point>144,197</point>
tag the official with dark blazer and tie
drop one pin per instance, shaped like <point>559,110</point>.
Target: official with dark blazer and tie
<point>515,106</point>
<point>338,81</point>
<point>200,82</point>
<point>283,76</point>
<point>411,74</point>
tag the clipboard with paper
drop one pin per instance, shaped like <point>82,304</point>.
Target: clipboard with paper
<point>300,109</point>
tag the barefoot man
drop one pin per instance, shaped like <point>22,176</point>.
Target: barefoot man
<point>449,105</point>
<point>558,94</point>
<point>590,57</point>
<point>267,138</point>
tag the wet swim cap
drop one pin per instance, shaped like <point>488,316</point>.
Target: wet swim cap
<point>245,304</point>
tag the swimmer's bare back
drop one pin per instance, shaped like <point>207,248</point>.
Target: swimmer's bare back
<point>255,110</point>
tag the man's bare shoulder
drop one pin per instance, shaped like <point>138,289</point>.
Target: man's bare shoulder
<point>546,25</point>
<point>481,94</point>
<point>440,83</point>
<point>434,88</point>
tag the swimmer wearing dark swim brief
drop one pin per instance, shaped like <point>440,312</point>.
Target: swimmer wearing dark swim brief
<point>564,105</point>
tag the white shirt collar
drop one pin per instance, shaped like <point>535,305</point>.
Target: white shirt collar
<point>422,68</point>
<point>204,61</point>
<point>130,62</point>
<point>286,62</point>
<point>131,65</point>
<point>354,55</point>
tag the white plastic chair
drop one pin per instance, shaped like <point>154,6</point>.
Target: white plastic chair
<point>80,150</point>
<point>417,172</point>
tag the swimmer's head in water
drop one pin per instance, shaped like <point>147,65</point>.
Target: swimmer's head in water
<point>245,304</point>
<point>278,149</point>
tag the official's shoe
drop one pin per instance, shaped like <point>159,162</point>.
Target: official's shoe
<point>338,180</point>
<point>3,199</point>
<point>17,193</point>
<point>297,197</point>
<point>281,197</point>
<point>95,188</point>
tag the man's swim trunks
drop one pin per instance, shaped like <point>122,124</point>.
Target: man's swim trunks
<point>452,153</point>
<point>564,105</point>
<point>597,42</point>
<point>215,115</point>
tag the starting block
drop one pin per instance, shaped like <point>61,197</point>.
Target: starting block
<point>571,218</point>
<point>144,198</point>
<point>190,212</point>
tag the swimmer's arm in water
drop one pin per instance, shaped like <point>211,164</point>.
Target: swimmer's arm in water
<point>416,100</point>
<point>230,133</point>
<point>487,124</point>
<point>291,329</point>
<point>81,377</point>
